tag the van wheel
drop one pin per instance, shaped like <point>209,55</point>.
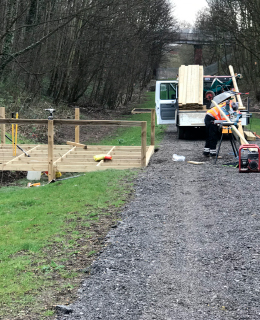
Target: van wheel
<point>181,132</point>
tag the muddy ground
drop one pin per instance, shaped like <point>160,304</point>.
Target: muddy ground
<point>187,246</point>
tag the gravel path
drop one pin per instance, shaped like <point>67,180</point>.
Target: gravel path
<point>187,248</point>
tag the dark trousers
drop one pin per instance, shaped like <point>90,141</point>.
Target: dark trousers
<point>212,133</point>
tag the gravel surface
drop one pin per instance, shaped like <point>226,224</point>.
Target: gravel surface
<point>187,247</point>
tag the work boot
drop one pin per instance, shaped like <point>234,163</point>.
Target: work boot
<point>206,152</point>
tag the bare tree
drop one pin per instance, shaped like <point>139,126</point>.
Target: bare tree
<point>99,51</point>
<point>235,28</point>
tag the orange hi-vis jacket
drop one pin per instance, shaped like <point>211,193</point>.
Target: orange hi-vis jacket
<point>215,113</point>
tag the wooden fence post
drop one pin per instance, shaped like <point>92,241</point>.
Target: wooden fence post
<point>77,127</point>
<point>2,126</point>
<point>143,146</point>
<point>152,127</point>
<point>51,174</point>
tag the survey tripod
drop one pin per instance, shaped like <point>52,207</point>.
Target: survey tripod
<point>226,129</point>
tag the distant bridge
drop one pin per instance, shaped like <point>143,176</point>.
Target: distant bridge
<point>193,38</point>
<point>198,40</point>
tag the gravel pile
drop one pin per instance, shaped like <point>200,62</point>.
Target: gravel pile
<point>188,245</point>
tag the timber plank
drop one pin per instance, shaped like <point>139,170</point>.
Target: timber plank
<point>191,87</point>
<point>181,82</point>
<point>67,158</point>
<point>236,87</point>
<point>149,153</point>
<point>249,136</point>
<point>84,168</point>
<point>201,84</point>
<point>195,88</point>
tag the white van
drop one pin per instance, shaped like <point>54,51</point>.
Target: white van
<point>167,111</point>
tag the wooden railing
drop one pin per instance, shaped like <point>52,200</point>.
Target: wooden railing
<point>78,123</point>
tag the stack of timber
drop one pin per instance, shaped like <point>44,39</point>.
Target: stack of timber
<point>191,87</point>
<point>250,136</point>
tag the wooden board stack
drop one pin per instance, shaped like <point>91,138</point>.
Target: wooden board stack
<point>191,87</point>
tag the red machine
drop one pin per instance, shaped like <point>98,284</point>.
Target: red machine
<point>249,158</point>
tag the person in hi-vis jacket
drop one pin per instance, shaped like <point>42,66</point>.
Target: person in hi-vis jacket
<point>212,130</point>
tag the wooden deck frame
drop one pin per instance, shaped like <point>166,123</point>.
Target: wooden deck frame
<point>74,157</point>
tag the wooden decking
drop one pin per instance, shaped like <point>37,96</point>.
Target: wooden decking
<point>68,158</point>
<point>74,157</point>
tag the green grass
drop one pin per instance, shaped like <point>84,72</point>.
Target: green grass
<point>33,218</point>
<point>254,124</point>
<point>131,136</point>
<point>29,216</point>
<point>20,139</point>
<point>40,228</point>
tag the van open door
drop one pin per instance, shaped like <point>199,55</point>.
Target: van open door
<point>166,100</point>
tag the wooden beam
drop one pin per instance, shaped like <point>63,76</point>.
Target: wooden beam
<point>23,121</point>
<point>149,153</point>
<point>152,127</point>
<point>181,82</point>
<point>143,145</point>
<point>21,155</point>
<point>51,174</point>
<point>2,128</point>
<point>117,123</point>
<point>65,155</point>
<point>228,120</point>
<point>250,136</point>
<point>77,127</point>
<point>77,144</point>
<point>195,88</point>
<point>118,156</point>
<point>236,87</point>
<point>185,79</point>
<point>201,84</point>
<point>88,168</point>
<point>240,129</point>
<point>20,166</point>
<point>140,110</point>
<point>189,85</point>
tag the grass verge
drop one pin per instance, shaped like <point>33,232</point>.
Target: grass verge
<point>132,136</point>
<point>47,232</point>
<point>50,235</point>
<point>254,124</point>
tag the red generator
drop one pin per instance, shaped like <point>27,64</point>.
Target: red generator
<point>249,156</point>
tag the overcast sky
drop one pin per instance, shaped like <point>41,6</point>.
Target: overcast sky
<point>185,10</point>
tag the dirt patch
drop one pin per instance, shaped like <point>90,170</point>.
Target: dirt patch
<point>11,178</point>
<point>88,134</point>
